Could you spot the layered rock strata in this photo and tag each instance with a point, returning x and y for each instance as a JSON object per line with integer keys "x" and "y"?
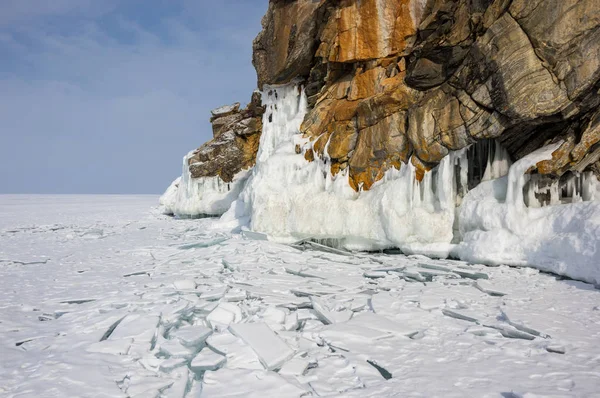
{"x": 396, "y": 122}
{"x": 390, "y": 79}
{"x": 236, "y": 135}
{"x": 213, "y": 174}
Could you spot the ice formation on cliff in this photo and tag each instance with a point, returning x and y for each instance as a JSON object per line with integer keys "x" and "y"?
{"x": 474, "y": 205}
{"x": 206, "y": 196}
{"x": 497, "y": 227}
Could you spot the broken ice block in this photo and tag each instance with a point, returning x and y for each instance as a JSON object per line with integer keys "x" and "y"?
{"x": 294, "y": 367}
{"x": 184, "y": 284}
{"x": 174, "y": 349}
{"x": 487, "y": 288}
{"x": 381, "y": 323}
{"x": 459, "y": 315}
{"x": 224, "y": 343}
{"x": 214, "y": 294}
{"x": 411, "y": 274}
{"x": 234, "y": 295}
{"x": 180, "y": 385}
{"x": 199, "y": 245}
{"x": 436, "y": 267}
{"x": 521, "y": 324}
{"x": 274, "y": 316}
{"x": 251, "y": 235}
{"x": 299, "y": 272}
{"x": 171, "y": 364}
{"x": 229, "y": 383}
{"x": 375, "y": 274}
{"x": 327, "y": 249}
{"x": 239, "y": 354}
{"x": 270, "y": 348}
{"x": 291, "y": 321}
{"x": 326, "y": 316}
{"x": 145, "y": 387}
{"x": 429, "y": 274}
{"x": 383, "y": 371}
{"x": 342, "y": 331}
{"x": 207, "y": 359}
{"x": 556, "y": 349}
{"x": 429, "y": 303}
{"x": 139, "y": 326}
{"x": 224, "y": 315}
{"x": 229, "y": 266}
{"x": 192, "y": 336}
{"x": 114, "y": 347}
{"x": 470, "y": 274}
{"x": 509, "y": 331}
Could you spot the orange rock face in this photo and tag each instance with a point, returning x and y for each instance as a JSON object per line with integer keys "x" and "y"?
{"x": 235, "y": 143}
{"x": 396, "y": 81}
{"x": 368, "y": 29}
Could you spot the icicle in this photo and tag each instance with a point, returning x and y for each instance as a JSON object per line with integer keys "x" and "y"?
{"x": 416, "y": 193}
{"x": 427, "y": 197}
{"x": 498, "y": 162}
{"x": 532, "y": 190}
{"x": 464, "y": 171}
{"x": 501, "y": 161}
{"x": 489, "y": 168}
{"x": 554, "y": 193}
{"x": 286, "y": 110}
{"x": 588, "y": 186}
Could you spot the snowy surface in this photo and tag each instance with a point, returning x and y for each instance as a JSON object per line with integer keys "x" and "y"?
{"x": 102, "y": 296}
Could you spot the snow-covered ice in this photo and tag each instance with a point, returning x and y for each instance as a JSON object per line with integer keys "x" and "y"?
{"x": 103, "y": 296}
{"x": 270, "y": 349}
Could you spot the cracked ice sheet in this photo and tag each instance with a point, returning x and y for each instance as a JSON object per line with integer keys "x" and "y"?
{"x": 69, "y": 248}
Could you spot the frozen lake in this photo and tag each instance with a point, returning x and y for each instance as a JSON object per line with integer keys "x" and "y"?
{"x": 101, "y": 296}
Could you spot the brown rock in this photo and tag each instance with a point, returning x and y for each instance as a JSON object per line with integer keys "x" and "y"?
{"x": 389, "y": 79}
{"x": 368, "y": 29}
{"x": 366, "y": 84}
{"x": 285, "y": 48}
{"x": 342, "y": 140}
{"x": 235, "y": 143}
{"x": 378, "y": 148}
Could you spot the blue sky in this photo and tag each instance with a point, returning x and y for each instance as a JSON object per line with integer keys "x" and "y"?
{"x": 107, "y": 96}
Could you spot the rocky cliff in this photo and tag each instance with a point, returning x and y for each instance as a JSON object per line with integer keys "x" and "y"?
{"x": 467, "y": 128}
{"x": 387, "y": 79}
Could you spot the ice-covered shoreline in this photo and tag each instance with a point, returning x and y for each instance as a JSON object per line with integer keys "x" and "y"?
{"x": 289, "y": 199}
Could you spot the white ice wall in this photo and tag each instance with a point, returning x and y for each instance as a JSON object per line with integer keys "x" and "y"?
{"x": 497, "y": 227}
{"x": 190, "y": 197}
{"x": 289, "y": 199}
